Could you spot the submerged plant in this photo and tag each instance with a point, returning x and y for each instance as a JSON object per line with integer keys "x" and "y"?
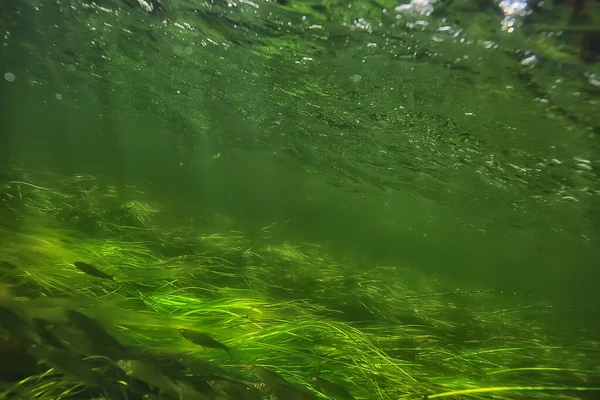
{"x": 380, "y": 331}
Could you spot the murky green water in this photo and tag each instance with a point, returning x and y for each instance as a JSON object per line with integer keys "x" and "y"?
{"x": 356, "y": 160}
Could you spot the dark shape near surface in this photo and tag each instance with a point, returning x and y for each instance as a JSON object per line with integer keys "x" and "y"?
{"x": 150, "y": 374}
{"x": 93, "y": 330}
{"x": 152, "y": 396}
{"x": 235, "y": 390}
{"x": 284, "y": 392}
{"x": 17, "y": 363}
{"x": 201, "y": 367}
{"x": 74, "y": 367}
{"x": 7, "y": 266}
{"x": 18, "y": 326}
{"x": 79, "y": 342}
{"x": 332, "y": 389}
{"x": 44, "y": 329}
{"x": 269, "y": 377}
{"x": 91, "y": 270}
{"x": 202, "y": 339}
{"x": 68, "y": 363}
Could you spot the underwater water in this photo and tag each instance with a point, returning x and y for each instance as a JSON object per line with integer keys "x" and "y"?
{"x": 299, "y": 199}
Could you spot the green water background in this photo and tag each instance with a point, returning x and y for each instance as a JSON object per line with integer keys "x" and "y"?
{"x": 392, "y": 153}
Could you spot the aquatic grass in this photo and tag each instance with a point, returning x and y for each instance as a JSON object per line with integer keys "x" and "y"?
{"x": 387, "y": 332}
{"x": 283, "y": 341}
{"x": 48, "y": 385}
{"x": 500, "y": 389}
